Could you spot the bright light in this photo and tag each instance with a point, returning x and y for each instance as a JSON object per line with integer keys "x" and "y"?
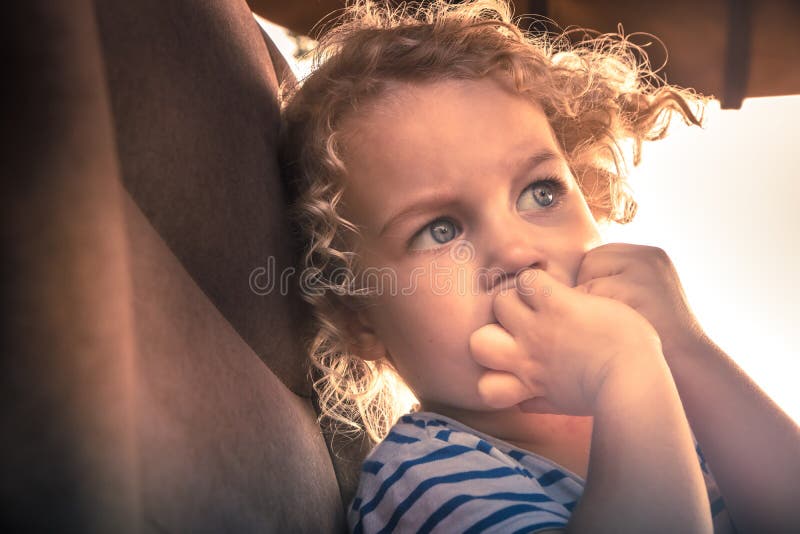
{"x": 723, "y": 203}
{"x": 293, "y": 47}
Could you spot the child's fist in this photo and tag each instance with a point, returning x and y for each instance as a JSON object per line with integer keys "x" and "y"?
{"x": 645, "y": 279}
{"x": 555, "y": 344}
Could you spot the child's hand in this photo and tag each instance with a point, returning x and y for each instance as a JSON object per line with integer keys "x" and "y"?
{"x": 554, "y": 346}
{"x": 644, "y": 278}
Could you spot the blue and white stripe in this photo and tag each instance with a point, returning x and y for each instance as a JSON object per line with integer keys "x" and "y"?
{"x": 433, "y": 474}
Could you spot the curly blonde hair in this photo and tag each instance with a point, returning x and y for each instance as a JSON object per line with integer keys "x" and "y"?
{"x": 598, "y": 94}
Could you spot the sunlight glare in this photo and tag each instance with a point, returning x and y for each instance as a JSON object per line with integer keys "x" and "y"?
{"x": 722, "y": 202}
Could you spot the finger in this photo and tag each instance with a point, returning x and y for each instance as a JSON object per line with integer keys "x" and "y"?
{"x": 512, "y": 313}
{"x": 500, "y": 390}
{"x": 606, "y": 260}
{"x": 608, "y": 286}
{"x": 617, "y": 287}
{"x": 539, "y": 405}
{"x": 494, "y": 347}
{"x": 537, "y": 288}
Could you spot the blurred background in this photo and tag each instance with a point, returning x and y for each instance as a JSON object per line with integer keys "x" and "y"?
{"x": 722, "y": 200}
{"x": 732, "y": 49}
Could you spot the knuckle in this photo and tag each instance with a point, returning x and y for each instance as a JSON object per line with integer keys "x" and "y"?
{"x": 658, "y": 253}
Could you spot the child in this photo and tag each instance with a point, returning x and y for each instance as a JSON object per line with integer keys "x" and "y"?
{"x": 451, "y": 175}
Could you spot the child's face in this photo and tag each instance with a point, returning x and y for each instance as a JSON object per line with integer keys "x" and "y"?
{"x": 468, "y": 146}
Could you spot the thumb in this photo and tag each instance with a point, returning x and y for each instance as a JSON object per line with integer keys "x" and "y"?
{"x": 500, "y": 390}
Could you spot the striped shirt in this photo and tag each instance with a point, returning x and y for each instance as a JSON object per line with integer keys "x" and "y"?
{"x": 434, "y": 474}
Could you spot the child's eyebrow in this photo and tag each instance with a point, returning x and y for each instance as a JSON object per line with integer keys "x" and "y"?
{"x": 439, "y": 200}
{"x": 435, "y": 201}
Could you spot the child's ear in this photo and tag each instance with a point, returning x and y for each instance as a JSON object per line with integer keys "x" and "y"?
{"x": 363, "y": 339}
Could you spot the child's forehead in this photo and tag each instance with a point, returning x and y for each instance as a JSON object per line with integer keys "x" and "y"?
{"x": 429, "y": 101}
{"x": 475, "y": 122}
{"x": 398, "y": 96}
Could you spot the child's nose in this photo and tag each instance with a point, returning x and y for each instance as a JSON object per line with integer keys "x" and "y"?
{"x": 513, "y": 244}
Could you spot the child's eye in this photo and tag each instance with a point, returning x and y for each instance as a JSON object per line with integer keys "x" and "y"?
{"x": 546, "y": 193}
{"x": 434, "y": 234}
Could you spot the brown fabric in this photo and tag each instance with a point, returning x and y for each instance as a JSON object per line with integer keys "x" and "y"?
{"x": 223, "y": 445}
{"x": 193, "y": 96}
{"x": 66, "y": 382}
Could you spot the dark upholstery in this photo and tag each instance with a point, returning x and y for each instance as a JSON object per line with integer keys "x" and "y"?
{"x": 145, "y": 386}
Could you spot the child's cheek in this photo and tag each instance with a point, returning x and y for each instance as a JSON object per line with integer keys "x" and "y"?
{"x": 436, "y": 316}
